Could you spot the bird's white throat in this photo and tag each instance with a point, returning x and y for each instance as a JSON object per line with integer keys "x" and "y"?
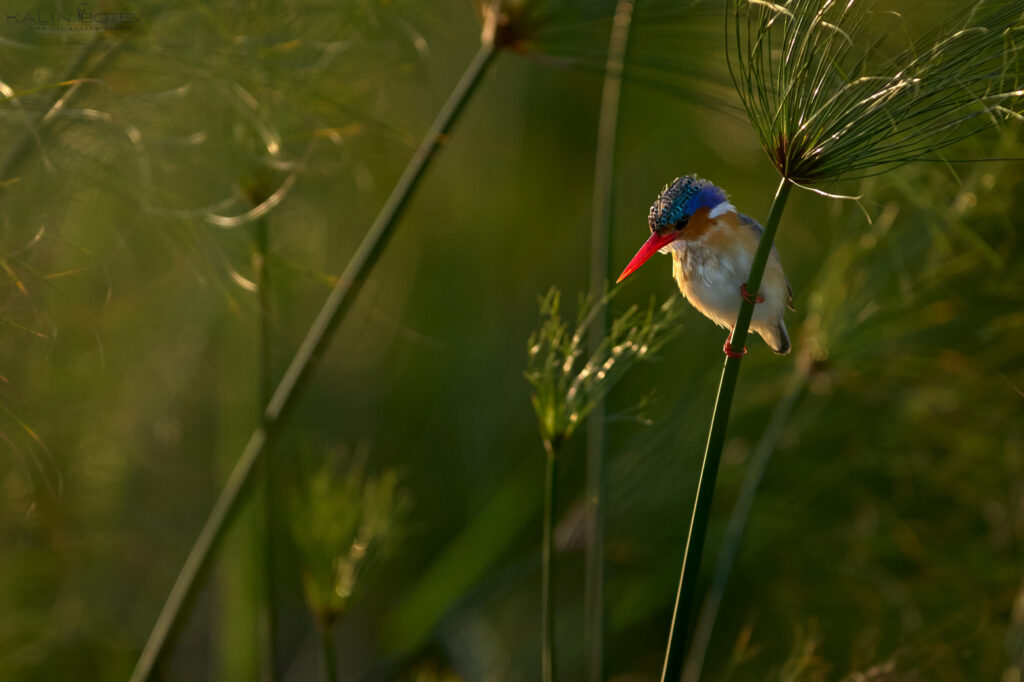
{"x": 678, "y": 246}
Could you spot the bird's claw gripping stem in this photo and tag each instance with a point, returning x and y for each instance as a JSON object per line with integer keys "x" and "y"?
{"x": 748, "y": 297}
{"x": 728, "y": 348}
{"x": 728, "y": 342}
{"x": 733, "y": 354}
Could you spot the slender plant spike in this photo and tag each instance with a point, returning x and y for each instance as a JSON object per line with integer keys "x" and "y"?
{"x": 593, "y": 614}
{"x": 307, "y": 355}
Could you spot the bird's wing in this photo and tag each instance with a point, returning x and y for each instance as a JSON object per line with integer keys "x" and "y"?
{"x": 751, "y": 223}
{"x": 755, "y": 227}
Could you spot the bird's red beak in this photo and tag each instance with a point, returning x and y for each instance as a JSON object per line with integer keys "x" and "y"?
{"x": 650, "y": 247}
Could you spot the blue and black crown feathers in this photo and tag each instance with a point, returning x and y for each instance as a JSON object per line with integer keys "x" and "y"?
{"x": 680, "y": 200}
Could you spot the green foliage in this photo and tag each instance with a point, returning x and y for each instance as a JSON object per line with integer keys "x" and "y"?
{"x": 890, "y": 513}
{"x": 829, "y": 96}
{"x": 566, "y": 383}
{"x": 344, "y": 523}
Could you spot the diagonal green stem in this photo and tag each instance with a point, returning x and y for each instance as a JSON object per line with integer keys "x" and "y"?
{"x": 593, "y": 623}
{"x": 305, "y": 359}
{"x": 679, "y": 631}
{"x": 547, "y": 596}
{"x": 738, "y": 519}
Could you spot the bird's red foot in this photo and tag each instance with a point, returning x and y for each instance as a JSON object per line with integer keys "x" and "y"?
{"x": 728, "y": 348}
{"x": 747, "y": 296}
{"x": 733, "y": 354}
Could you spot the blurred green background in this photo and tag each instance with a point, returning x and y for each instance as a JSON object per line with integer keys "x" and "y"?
{"x": 885, "y": 543}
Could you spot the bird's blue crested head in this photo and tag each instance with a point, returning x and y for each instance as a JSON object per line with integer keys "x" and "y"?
{"x": 681, "y": 199}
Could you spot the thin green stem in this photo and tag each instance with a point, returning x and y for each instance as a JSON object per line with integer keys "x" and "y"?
{"x": 679, "y": 630}
{"x": 547, "y": 596}
{"x": 328, "y": 655}
{"x": 268, "y": 597}
{"x": 738, "y": 519}
{"x": 305, "y": 359}
{"x": 593, "y": 624}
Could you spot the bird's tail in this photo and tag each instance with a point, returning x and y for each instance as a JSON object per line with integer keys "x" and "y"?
{"x": 777, "y": 338}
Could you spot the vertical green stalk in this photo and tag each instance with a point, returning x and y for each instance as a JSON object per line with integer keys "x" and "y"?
{"x": 547, "y": 595}
{"x": 738, "y": 519}
{"x": 268, "y": 598}
{"x": 593, "y": 614}
{"x": 328, "y": 655}
{"x": 679, "y": 630}
{"x": 305, "y": 359}
{"x": 238, "y": 578}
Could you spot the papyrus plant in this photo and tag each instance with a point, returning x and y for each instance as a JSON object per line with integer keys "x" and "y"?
{"x": 831, "y": 95}
{"x": 567, "y": 382}
{"x": 344, "y": 522}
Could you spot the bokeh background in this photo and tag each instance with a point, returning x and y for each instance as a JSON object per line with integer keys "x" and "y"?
{"x": 884, "y": 544}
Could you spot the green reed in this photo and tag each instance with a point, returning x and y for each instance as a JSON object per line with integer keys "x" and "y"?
{"x": 607, "y": 127}
{"x": 268, "y": 606}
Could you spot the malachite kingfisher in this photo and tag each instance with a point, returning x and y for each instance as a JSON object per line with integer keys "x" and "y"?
{"x": 712, "y": 247}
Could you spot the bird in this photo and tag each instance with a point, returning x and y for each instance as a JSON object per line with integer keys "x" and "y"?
{"x": 712, "y": 246}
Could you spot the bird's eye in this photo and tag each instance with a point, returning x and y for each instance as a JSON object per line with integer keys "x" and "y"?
{"x": 680, "y": 225}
